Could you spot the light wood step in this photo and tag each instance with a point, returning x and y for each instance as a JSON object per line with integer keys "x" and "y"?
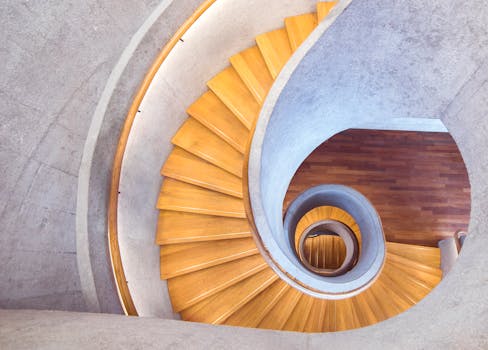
{"x": 180, "y": 227}
{"x": 397, "y": 296}
{"x": 412, "y": 264}
{"x": 323, "y": 213}
{"x": 316, "y": 317}
{"x": 276, "y": 50}
{"x": 252, "y": 69}
{"x": 364, "y": 310}
{"x": 386, "y": 308}
{"x": 222, "y": 305}
{"x": 251, "y": 314}
{"x": 323, "y": 9}
{"x": 184, "y": 166}
{"x": 230, "y": 88}
{"x": 214, "y": 114}
{"x": 299, "y": 28}
{"x": 330, "y": 317}
{"x": 407, "y": 286}
{"x": 179, "y": 259}
{"x": 298, "y": 318}
{"x": 430, "y": 256}
{"x": 191, "y": 288}
{"x": 180, "y": 196}
{"x": 200, "y": 141}
{"x": 426, "y": 278}
{"x": 424, "y": 284}
{"x": 377, "y": 312}
{"x": 279, "y": 314}
{"x": 346, "y": 317}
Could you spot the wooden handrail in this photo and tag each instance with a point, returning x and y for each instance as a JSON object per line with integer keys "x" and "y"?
{"x": 115, "y": 258}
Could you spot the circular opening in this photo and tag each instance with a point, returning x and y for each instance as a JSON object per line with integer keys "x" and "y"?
{"x": 324, "y": 251}
{"x": 355, "y": 277}
{"x": 325, "y": 256}
{"x": 322, "y": 248}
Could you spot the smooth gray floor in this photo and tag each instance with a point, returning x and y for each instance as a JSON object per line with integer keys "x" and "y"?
{"x": 55, "y": 59}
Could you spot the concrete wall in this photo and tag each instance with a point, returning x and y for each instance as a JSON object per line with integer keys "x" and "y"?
{"x": 56, "y": 57}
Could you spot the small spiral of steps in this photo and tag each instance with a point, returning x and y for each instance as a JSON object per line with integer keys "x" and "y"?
{"x": 214, "y": 270}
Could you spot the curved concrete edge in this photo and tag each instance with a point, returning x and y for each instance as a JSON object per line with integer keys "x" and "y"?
{"x": 254, "y": 166}
{"x": 110, "y": 112}
{"x": 373, "y": 252}
{"x": 64, "y": 330}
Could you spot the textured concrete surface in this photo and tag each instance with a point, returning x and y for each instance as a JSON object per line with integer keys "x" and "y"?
{"x": 96, "y": 172}
{"x": 179, "y": 82}
{"x": 61, "y": 330}
{"x": 56, "y": 57}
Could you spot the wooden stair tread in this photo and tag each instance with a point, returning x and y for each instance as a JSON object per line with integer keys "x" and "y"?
{"x": 251, "y": 314}
{"x": 386, "y": 307}
{"x": 180, "y": 196}
{"x": 276, "y": 50}
{"x": 184, "y": 166}
{"x": 179, "y": 259}
{"x": 252, "y": 69}
{"x": 373, "y": 303}
{"x": 298, "y": 318}
{"x": 278, "y": 315}
{"x": 323, "y": 9}
{"x": 416, "y": 278}
{"x": 396, "y": 294}
{"x": 346, "y": 317}
{"x": 217, "y": 308}
{"x": 428, "y": 279}
{"x": 323, "y": 213}
{"x": 180, "y": 227}
{"x": 409, "y": 287}
{"x": 364, "y": 310}
{"x": 214, "y": 114}
{"x": 191, "y": 288}
{"x": 200, "y": 255}
{"x": 329, "y": 324}
{"x": 413, "y": 265}
{"x": 200, "y": 141}
{"x": 299, "y": 28}
{"x": 316, "y": 317}
{"x": 230, "y": 88}
{"x": 426, "y": 255}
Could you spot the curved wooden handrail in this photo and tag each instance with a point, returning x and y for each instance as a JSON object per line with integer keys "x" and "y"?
{"x": 114, "y": 249}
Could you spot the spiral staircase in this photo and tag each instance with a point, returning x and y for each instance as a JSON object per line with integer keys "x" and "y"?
{"x": 215, "y": 272}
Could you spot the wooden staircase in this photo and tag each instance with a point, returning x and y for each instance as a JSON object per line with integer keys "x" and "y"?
{"x": 214, "y": 270}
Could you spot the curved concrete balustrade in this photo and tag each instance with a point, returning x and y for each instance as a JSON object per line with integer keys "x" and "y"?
{"x": 372, "y": 255}
{"x": 378, "y": 63}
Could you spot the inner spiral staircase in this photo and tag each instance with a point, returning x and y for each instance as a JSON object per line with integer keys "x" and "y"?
{"x": 214, "y": 270}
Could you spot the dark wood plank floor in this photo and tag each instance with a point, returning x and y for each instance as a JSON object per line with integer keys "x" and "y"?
{"x": 417, "y": 181}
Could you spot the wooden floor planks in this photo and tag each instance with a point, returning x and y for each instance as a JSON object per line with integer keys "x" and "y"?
{"x": 417, "y": 181}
